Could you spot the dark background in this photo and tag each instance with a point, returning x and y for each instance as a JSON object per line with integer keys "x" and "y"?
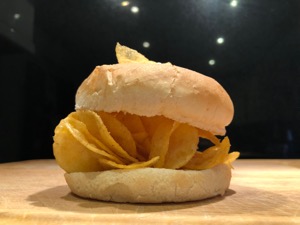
{"x": 48, "y": 47}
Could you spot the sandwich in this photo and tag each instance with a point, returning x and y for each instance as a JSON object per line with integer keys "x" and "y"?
{"x": 136, "y": 132}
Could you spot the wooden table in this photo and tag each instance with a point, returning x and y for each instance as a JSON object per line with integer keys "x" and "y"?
{"x": 261, "y": 192}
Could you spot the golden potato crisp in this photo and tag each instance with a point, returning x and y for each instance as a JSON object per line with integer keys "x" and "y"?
{"x": 211, "y": 157}
{"x": 80, "y": 132}
{"x": 94, "y": 141}
{"x": 128, "y": 55}
{"x": 119, "y": 132}
{"x": 160, "y": 141}
{"x": 96, "y": 124}
{"x": 183, "y": 145}
{"x": 70, "y": 154}
{"x": 112, "y": 165}
{"x": 141, "y": 137}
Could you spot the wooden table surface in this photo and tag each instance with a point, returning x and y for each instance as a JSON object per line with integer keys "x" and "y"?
{"x": 261, "y": 192}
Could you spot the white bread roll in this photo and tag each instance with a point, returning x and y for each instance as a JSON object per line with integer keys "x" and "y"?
{"x": 148, "y": 89}
{"x": 150, "y": 185}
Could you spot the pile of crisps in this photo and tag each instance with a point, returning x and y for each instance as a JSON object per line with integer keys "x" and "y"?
{"x": 95, "y": 141}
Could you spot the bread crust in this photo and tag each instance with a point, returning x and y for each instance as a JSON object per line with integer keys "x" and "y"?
{"x": 150, "y": 185}
{"x": 158, "y": 89}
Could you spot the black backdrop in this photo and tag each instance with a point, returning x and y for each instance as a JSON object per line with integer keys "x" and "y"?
{"x": 251, "y": 47}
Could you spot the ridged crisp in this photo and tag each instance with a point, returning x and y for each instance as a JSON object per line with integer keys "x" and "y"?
{"x": 158, "y": 89}
{"x": 150, "y": 185}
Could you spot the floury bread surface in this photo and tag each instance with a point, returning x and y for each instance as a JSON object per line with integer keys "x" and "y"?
{"x": 150, "y": 89}
{"x": 151, "y": 185}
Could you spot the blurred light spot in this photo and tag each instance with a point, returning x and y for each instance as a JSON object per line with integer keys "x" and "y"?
{"x": 12, "y": 30}
{"x": 212, "y": 62}
{"x": 125, "y": 3}
{"x": 17, "y": 16}
{"x": 234, "y": 3}
{"x": 146, "y": 44}
{"x": 220, "y": 40}
{"x": 135, "y": 9}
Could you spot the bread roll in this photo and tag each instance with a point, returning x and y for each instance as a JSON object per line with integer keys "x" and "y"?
{"x": 148, "y": 89}
{"x": 150, "y": 185}
{"x": 151, "y": 89}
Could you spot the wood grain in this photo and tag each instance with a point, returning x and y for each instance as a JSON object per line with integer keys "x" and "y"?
{"x": 261, "y": 192}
